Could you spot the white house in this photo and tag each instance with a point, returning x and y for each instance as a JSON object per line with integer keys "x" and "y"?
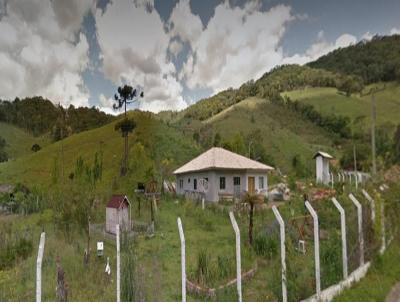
{"x": 227, "y": 174}
{"x": 117, "y": 212}
{"x": 322, "y": 167}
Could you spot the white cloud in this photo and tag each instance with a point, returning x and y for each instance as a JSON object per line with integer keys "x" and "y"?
{"x": 367, "y": 36}
{"x": 320, "y": 48}
{"x": 238, "y": 44}
{"x": 42, "y": 52}
{"x": 175, "y": 47}
{"x": 134, "y": 48}
{"x": 395, "y": 31}
{"x": 106, "y": 105}
{"x": 185, "y": 24}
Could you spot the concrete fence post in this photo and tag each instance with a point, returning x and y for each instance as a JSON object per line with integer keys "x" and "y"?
{"x": 118, "y": 264}
{"x": 356, "y": 180}
{"x": 360, "y": 227}
{"x": 316, "y": 250}
{"x": 343, "y": 234}
{"x": 383, "y": 228}
{"x": 372, "y": 203}
{"x": 283, "y": 251}
{"x": 238, "y": 257}
{"x": 183, "y": 258}
{"x": 39, "y": 261}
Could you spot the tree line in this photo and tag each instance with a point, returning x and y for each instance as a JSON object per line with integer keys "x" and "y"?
{"x": 373, "y": 61}
{"x": 271, "y": 85}
{"x": 39, "y": 116}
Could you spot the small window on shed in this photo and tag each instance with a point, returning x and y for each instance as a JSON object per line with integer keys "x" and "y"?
{"x": 194, "y": 184}
{"x": 222, "y": 183}
{"x": 189, "y": 180}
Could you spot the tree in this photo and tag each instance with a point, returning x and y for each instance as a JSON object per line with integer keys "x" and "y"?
{"x": 351, "y": 85}
{"x": 251, "y": 200}
{"x": 217, "y": 140}
{"x": 165, "y": 169}
{"x": 35, "y": 148}
{"x": 396, "y": 145}
{"x": 3, "y": 153}
{"x": 126, "y": 95}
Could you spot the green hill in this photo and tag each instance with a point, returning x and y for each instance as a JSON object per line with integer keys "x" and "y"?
{"x": 159, "y": 140}
{"x": 18, "y": 141}
{"x": 331, "y": 101}
{"x": 280, "y": 133}
{"x": 373, "y": 61}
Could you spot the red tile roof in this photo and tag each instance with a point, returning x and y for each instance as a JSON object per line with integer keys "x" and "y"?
{"x": 118, "y": 201}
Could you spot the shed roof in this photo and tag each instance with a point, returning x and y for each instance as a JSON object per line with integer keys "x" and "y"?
{"x": 118, "y": 201}
{"x": 219, "y": 158}
{"x": 323, "y": 154}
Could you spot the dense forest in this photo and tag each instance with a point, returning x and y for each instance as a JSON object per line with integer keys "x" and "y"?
{"x": 374, "y": 61}
{"x": 39, "y": 116}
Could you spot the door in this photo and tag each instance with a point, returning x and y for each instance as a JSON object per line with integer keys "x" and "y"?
{"x": 251, "y": 187}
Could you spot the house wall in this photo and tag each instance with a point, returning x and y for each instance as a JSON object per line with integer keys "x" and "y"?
{"x": 214, "y": 190}
{"x": 115, "y": 216}
{"x": 326, "y": 177}
{"x": 322, "y": 170}
{"x": 111, "y": 220}
{"x": 319, "y": 169}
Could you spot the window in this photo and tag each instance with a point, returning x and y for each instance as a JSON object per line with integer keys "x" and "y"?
{"x": 194, "y": 184}
{"x": 261, "y": 182}
{"x": 222, "y": 183}
{"x": 188, "y": 180}
{"x": 236, "y": 181}
{"x": 181, "y": 183}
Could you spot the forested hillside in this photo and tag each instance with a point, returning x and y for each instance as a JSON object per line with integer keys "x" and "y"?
{"x": 377, "y": 60}
{"x": 39, "y": 116}
{"x": 270, "y": 85}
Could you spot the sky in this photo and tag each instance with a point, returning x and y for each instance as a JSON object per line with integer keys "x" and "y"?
{"x": 177, "y": 51}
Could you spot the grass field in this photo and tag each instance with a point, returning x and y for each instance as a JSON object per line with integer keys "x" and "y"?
{"x": 19, "y": 142}
{"x": 159, "y": 140}
{"x": 285, "y": 134}
{"x": 158, "y": 258}
{"x": 330, "y": 101}
{"x": 382, "y": 276}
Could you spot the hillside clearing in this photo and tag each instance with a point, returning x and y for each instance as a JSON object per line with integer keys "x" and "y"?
{"x": 331, "y": 101}
{"x": 19, "y": 142}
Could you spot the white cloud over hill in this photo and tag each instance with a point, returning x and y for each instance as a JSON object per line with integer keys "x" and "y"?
{"x": 42, "y": 51}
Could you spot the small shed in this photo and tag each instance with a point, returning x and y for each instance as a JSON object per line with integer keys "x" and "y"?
{"x": 322, "y": 160}
{"x": 118, "y": 212}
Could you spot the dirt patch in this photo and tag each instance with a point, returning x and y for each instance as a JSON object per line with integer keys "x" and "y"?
{"x": 394, "y": 295}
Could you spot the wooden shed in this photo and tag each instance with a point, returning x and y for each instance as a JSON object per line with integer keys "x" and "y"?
{"x": 118, "y": 212}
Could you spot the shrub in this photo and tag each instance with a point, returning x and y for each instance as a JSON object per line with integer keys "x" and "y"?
{"x": 265, "y": 245}
{"x": 203, "y": 272}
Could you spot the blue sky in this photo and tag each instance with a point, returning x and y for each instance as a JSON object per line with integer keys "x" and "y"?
{"x": 178, "y": 51}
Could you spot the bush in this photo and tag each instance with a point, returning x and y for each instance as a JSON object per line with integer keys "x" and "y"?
{"x": 265, "y": 245}
{"x": 203, "y": 272}
{"x": 35, "y": 148}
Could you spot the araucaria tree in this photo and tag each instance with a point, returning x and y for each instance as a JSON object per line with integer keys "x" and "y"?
{"x": 126, "y": 95}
